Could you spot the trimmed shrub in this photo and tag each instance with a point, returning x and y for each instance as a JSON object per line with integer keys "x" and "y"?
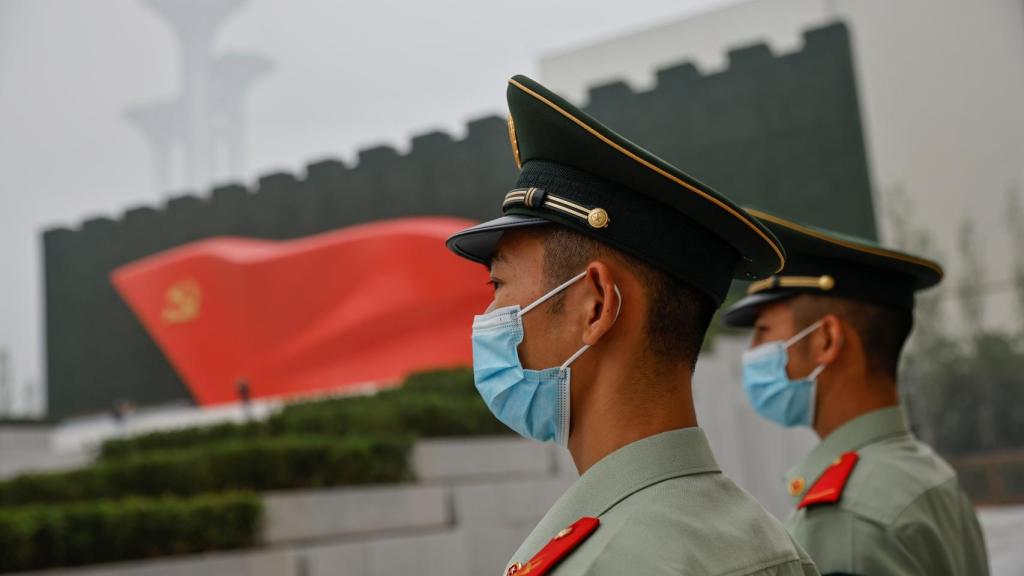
{"x": 428, "y": 404}
{"x": 181, "y": 438}
{"x": 451, "y": 381}
{"x": 35, "y": 537}
{"x": 254, "y": 464}
{"x": 418, "y": 415}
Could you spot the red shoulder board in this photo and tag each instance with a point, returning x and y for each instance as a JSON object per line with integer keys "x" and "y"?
{"x": 556, "y": 550}
{"x": 830, "y": 485}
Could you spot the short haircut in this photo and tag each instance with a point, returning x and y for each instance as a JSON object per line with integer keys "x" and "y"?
{"x": 883, "y": 329}
{"x": 678, "y": 315}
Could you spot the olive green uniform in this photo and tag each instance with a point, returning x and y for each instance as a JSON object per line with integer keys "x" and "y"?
{"x": 666, "y": 508}
{"x": 663, "y": 505}
{"x": 901, "y": 510}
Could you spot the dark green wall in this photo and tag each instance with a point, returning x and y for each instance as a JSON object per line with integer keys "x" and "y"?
{"x": 782, "y": 133}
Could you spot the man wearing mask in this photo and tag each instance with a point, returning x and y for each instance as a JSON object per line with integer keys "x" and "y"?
{"x": 870, "y": 499}
{"x": 607, "y": 266}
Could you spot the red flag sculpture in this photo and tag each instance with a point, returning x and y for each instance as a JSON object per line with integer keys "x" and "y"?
{"x": 359, "y": 305}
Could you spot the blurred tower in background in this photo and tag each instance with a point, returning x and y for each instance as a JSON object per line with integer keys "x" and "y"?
{"x": 197, "y": 137}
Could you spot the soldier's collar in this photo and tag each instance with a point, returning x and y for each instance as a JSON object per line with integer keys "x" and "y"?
{"x": 863, "y": 430}
{"x": 633, "y": 467}
{"x": 617, "y": 476}
{"x": 672, "y": 454}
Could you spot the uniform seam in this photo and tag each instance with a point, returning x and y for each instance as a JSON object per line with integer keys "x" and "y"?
{"x": 919, "y": 497}
{"x": 848, "y": 506}
{"x": 785, "y": 557}
{"x": 654, "y": 480}
{"x": 791, "y": 558}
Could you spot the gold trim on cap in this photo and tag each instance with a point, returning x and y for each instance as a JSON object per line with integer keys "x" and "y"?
{"x": 823, "y": 283}
{"x": 876, "y": 251}
{"x": 514, "y": 141}
{"x": 661, "y": 171}
{"x": 594, "y": 217}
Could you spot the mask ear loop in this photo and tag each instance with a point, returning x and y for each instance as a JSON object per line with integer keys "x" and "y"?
{"x": 813, "y": 376}
{"x": 618, "y": 310}
{"x": 801, "y": 334}
{"x": 816, "y": 372}
{"x": 552, "y": 293}
{"x": 796, "y": 338}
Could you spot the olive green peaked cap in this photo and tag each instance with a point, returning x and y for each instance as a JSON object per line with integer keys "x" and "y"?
{"x": 833, "y": 264}
{"x": 576, "y": 172}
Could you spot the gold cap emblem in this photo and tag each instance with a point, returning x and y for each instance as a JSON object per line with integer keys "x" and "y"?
{"x": 598, "y": 218}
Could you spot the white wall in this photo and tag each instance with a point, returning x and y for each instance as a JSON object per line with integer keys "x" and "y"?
{"x": 941, "y": 87}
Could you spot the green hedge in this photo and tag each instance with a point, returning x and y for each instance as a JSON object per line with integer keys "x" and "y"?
{"x": 389, "y": 413}
{"x": 428, "y": 404}
{"x": 181, "y": 438}
{"x": 254, "y": 464}
{"x": 35, "y": 537}
{"x": 452, "y": 381}
{"x": 186, "y": 491}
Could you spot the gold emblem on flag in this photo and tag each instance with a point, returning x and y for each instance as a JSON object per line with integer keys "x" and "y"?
{"x": 182, "y": 302}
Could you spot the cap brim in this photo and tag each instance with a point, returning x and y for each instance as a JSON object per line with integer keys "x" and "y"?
{"x": 803, "y": 241}
{"x": 479, "y": 242}
{"x": 744, "y": 313}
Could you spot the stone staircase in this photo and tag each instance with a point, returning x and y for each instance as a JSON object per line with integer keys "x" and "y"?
{"x": 473, "y": 502}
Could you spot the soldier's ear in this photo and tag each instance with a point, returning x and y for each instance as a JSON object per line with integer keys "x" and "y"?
{"x": 603, "y": 301}
{"x": 832, "y": 339}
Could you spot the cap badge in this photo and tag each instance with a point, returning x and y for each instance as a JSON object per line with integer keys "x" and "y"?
{"x": 598, "y": 218}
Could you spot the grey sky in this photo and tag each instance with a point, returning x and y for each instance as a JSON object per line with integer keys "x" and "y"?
{"x": 347, "y": 75}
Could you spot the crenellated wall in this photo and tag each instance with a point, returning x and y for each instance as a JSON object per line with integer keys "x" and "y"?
{"x": 779, "y": 132}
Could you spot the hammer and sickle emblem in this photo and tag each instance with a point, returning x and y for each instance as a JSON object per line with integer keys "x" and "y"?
{"x": 182, "y": 302}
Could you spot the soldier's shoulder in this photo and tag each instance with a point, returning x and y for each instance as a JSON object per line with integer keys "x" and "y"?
{"x": 891, "y": 476}
{"x": 703, "y": 520}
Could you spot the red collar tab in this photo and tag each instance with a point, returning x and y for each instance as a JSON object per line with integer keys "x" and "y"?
{"x": 829, "y": 486}
{"x": 556, "y": 550}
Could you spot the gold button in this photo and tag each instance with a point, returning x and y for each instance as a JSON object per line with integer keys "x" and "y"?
{"x": 513, "y": 568}
{"x": 796, "y": 486}
{"x": 565, "y": 532}
{"x": 597, "y": 218}
{"x": 826, "y": 282}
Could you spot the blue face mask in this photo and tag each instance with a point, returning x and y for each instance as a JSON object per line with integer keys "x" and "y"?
{"x": 534, "y": 403}
{"x": 769, "y": 389}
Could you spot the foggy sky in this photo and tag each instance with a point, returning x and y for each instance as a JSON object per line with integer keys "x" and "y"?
{"x": 347, "y": 75}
